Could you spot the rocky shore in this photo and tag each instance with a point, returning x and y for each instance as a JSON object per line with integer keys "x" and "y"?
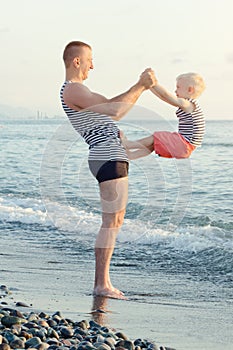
{"x": 41, "y": 331}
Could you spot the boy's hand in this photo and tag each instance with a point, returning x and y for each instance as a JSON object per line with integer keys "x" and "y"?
{"x": 147, "y": 78}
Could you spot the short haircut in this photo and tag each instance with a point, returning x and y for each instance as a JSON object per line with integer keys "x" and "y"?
{"x": 195, "y": 80}
{"x": 72, "y": 50}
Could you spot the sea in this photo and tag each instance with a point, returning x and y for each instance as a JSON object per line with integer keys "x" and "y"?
{"x": 174, "y": 254}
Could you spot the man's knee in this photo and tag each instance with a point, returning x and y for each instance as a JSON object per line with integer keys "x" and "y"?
{"x": 114, "y": 220}
{"x": 120, "y": 218}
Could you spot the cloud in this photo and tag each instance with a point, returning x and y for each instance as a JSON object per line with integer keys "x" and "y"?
{"x": 177, "y": 60}
{"x": 227, "y": 75}
{"x": 178, "y": 57}
{"x": 4, "y": 30}
{"x": 229, "y": 57}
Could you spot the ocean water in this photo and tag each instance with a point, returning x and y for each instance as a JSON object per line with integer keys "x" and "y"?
{"x": 176, "y": 244}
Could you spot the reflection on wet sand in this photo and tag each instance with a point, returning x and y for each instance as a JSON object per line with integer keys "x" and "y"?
{"x": 99, "y": 310}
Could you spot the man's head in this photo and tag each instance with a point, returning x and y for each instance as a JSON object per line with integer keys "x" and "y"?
{"x": 72, "y": 50}
{"x": 78, "y": 56}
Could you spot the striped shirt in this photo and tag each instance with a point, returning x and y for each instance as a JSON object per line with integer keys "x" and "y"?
{"x": 192, "y": 125}
{"x": 99, "y": 131}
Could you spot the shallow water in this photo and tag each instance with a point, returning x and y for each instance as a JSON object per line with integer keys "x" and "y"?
{"x": 174, "y": 254}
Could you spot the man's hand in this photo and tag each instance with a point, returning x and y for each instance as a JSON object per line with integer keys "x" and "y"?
{"x": 148, "y": 79}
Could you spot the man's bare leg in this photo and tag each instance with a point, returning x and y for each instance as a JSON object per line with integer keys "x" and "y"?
{"x": 104, "y": 248}
{"x": 114, "y": 196}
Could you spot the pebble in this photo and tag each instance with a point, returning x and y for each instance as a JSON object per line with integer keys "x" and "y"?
{"x": 21, "y": 304}
{"x": 9, "y": 321}
{"x": 4, "y": 289}
{"x": 121, "y": 335}
{"x": 5, "y": 346}
{"x": 41, "y": 331}
{"x": 66, "y": 332}
{"x": 17, "y": 344}
{"x": 32, "y": 342}
{"x": 42, "y": 346}
{"x": 126, "y": 344}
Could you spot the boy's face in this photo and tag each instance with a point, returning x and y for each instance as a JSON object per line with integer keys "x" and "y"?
{"x": 183, "y": 88}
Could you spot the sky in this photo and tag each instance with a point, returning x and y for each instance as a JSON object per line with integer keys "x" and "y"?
{"x": 126, "y": 36}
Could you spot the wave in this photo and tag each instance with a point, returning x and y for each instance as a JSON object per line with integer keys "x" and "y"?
{"x": 218, "y": 144}
{"x": 75, "y": 223}
{"x": 199, "y": 253}
{"x": 22, "y": 210}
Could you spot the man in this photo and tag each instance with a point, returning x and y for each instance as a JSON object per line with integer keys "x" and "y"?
{"x": 92, "y": 115}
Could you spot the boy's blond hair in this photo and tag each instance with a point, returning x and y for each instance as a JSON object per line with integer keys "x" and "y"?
{"x": 195, "y": 80}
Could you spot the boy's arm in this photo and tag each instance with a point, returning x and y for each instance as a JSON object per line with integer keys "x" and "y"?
{"x": 173, "y": 100}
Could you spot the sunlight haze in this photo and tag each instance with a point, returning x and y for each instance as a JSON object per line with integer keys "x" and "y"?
{"x": 172, "y": 37}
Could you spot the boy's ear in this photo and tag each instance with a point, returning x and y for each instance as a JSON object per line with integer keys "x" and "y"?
{"x": 191, "y": 90}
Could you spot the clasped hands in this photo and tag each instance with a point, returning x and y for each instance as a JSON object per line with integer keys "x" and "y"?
{"x": 148, "y": 78}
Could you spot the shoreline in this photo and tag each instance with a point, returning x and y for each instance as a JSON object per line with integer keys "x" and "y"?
{"x": 170, "y": 324}
{"x": 49, "y": 280}
{"x": 23, "y": 326}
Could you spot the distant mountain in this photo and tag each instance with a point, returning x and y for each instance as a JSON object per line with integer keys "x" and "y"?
{"x": 7, "y": 112}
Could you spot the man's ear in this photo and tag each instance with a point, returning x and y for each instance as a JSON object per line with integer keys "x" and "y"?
{"x": 76, "y": 61}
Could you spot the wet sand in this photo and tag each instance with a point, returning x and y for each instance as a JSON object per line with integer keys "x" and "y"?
{"x": 46, "y": 280}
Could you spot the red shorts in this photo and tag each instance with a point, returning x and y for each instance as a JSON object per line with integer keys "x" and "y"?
{"x": 172, "y": 145}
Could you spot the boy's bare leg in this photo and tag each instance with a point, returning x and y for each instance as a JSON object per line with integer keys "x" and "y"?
{"x": 138, "y": 148}
{"x": 138, "y": 153}
{"x": 147, "y": 142}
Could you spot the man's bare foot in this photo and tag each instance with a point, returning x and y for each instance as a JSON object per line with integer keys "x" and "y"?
{"x": 113, "y": 293}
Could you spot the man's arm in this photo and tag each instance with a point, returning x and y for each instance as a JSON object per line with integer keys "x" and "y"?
{"x": 118, "y": 106}
{"x": 78, "y": 97}
{"x": 173, "y": 100}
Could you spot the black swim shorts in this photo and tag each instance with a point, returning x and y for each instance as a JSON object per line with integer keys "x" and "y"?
{"x": 108, "y": 170}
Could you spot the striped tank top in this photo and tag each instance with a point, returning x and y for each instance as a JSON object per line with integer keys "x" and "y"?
{"x": 99, "y": 131}
{"x": 192, "y": 125}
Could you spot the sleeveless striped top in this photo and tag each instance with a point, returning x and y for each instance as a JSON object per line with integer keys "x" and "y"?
{"x": 99, "y": 131}
{"x": 192, "y": 125}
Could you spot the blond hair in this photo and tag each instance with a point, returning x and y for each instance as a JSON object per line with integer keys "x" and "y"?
{"x": 195, "y": 80}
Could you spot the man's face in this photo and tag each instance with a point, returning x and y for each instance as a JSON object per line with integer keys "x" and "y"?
{"x": 85, "y": 62}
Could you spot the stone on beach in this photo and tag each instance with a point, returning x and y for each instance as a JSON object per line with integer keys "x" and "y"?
{"x": 9, "y": 321}
{"x": 5, "y": 346}
{"x": 21, "y": 304}
{"x": 40, "y": 331}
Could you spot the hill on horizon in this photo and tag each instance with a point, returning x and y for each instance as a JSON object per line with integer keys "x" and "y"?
{"x": 15, "y": 112}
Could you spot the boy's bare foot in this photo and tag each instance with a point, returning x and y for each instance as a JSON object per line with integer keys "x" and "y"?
{"x": 125, "y": 142}
{"x": 122, "y": 136}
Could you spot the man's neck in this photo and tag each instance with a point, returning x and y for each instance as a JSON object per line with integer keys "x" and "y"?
{"x": 74, "y": 77}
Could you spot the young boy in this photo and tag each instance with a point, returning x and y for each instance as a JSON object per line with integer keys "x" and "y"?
{"x": 191, "y": 122}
